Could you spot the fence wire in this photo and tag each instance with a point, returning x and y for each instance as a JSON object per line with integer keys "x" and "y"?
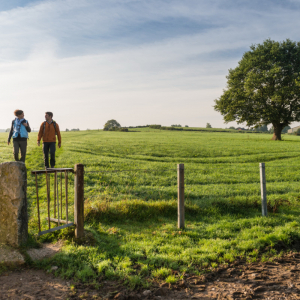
{"x": 154, "y": 184}
{"x": 136, "y": 186}
{"x": 132, "y": 170}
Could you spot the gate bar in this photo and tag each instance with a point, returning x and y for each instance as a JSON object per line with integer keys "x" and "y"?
{"x": 61, "y": 195}
{"x": 56, "y": 187}
{"x": 52, "y": 170}
{"x": 56, "y": 221}
{"x": 37, "y": 202}
{"x": 66, "y": 188}
{"x": 55, "y": 195}
{"x": 56, "y": 228}
{"x": 48, "y": 199}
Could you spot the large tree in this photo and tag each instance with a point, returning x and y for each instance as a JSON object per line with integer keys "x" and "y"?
{"x": 111, "y": 124}
{"x": 265, "y": 87}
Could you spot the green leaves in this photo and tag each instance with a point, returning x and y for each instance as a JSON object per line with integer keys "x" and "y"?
{"x": 264, "y": 87}
{"x": 110, "y": 124}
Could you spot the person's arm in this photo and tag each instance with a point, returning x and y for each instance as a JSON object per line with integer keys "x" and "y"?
{"x": 10, "y": 133}
{"x": 58, "y": 135}
{"x": 41, "y": 131}
{"x": 28, "y": 127}
{"x": 26, "y": 124}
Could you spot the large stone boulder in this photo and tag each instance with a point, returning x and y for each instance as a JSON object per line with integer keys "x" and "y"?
{"x": 13, "y": 203}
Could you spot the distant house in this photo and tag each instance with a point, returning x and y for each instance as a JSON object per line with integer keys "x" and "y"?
{"x": 292, "y": 130}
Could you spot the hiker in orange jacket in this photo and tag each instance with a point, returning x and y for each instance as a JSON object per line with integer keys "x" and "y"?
{"x": 48, "y": 131}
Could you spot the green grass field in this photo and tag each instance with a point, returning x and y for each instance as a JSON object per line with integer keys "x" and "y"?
{"x": 131, "y": 201}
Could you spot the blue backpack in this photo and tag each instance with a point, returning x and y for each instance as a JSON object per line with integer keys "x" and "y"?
{"x": 23, "y": 131}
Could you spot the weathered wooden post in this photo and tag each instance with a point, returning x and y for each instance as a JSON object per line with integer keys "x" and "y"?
{"x": 79, "y": 201}
{"x": 180, "y": 184}
{"x": 263, "y": 189}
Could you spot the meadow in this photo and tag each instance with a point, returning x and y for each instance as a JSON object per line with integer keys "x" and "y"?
{"x": 131, "y": 202}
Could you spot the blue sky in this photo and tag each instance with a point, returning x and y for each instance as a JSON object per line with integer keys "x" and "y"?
{"x": 139, "y": 62}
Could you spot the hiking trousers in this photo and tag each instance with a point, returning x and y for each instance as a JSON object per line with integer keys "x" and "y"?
{"x": 20, "y": 146}
{"x": 49, "y": 147}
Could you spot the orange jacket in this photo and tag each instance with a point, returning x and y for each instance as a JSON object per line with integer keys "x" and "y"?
{"x": 49, "y": 134}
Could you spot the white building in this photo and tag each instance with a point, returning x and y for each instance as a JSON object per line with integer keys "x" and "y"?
{"x": 292, "y": 130}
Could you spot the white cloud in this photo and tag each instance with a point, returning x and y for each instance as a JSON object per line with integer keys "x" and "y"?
{"x": 135, "y": 61}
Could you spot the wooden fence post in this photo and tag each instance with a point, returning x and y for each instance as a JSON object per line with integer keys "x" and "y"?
{"x": 263, "y": 189}
{"x": 180, "y": 184}
{"x": 79, "y": 200}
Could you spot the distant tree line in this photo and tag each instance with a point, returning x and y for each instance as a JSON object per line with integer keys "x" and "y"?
{"x": 113, "y": 125}
{"x": 73, "y": 129}
{"x": 172, "y": 127}
{"x": 139, "y": 126}
{"x": 263, "y": 128}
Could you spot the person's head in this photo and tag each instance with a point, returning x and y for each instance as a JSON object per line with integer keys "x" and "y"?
{"x": 19, "y": 113}
{"x": 48, "y": 116}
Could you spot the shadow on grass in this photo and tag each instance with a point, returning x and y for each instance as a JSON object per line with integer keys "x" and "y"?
{"x": 139, "y": 210}
{"x": 128, "y": 239}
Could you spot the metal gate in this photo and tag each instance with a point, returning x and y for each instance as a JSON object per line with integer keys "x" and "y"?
{"x": 58, "y": 202}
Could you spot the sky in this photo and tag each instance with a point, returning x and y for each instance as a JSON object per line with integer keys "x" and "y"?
{"x": 136, "y": 61}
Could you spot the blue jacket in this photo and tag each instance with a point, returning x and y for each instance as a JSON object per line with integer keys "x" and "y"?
{"x": 23, "y": 131}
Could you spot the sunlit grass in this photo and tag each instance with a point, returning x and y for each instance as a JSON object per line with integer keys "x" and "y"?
{"x": 131, "y": 213}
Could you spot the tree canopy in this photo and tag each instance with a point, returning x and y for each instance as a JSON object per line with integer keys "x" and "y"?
{"x": 265, "y": 87}
{"x": 110, "y": 124}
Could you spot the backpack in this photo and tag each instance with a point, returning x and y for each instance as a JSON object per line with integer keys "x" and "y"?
{"x": 23, "y": 131}
{"x": 54, "y": 124}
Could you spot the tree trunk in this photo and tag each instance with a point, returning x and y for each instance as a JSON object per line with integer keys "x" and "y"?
{"x": 277, "y": 132}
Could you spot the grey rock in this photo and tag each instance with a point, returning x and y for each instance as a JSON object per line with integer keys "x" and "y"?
{"x": 146, "y": 293}
{"x": 163, "y": 291}
{"x": 13, "y": 203}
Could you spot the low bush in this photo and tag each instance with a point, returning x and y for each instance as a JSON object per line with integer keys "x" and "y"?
{"x": 155, "y": 126}
{"x": 118, "y": 129}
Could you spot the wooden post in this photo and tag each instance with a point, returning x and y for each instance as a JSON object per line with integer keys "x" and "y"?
{"x": 79, "y": 201}
{"x": 263, "y": 189}
{"x": 180, "y": 184}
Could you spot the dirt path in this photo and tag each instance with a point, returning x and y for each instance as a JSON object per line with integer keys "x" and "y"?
{"x": 277, "y": 280}
{"x": 32, "y": 284}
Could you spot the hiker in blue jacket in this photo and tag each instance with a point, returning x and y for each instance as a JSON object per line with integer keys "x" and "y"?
{"x": 19, "y": 132}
